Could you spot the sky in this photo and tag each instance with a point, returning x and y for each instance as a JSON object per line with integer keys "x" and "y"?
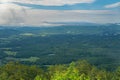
{"x": 48, "y": 12}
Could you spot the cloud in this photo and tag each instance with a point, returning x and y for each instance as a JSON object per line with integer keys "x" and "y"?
{"x": 39, "y": 17}
{"x": 113, "y": 5}
{"x": 49, "y": 2}
{"x": 12, "y": 14}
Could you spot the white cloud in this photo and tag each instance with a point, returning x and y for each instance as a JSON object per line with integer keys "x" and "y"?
{"x": 113, "y": 5}
{"x": 49, "y": 2}
{"x": 12, "y": 14}
{"x": 38, "y": 17}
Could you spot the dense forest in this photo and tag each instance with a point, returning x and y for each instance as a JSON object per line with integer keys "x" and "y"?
{"x": 102, "y": 51}
{"x": 79, "y": 70}
{"x": 60, "y": 53}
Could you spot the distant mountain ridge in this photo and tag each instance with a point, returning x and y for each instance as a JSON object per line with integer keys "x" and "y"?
{"x": 91, "y": 29}
{"x": 75, "y": 23}
{"x": 59, "y": 24}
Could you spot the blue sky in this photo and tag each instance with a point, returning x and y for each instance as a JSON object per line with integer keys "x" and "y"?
{"x": 44, "y": 12}
{"x": 97, "y": 5}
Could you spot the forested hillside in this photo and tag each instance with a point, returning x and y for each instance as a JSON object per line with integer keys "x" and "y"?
{"x": 99, "y": 45}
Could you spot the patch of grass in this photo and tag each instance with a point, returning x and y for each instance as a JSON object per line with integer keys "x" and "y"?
{"x": 10, "y": 53}
{"x": 30, "y": 59}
